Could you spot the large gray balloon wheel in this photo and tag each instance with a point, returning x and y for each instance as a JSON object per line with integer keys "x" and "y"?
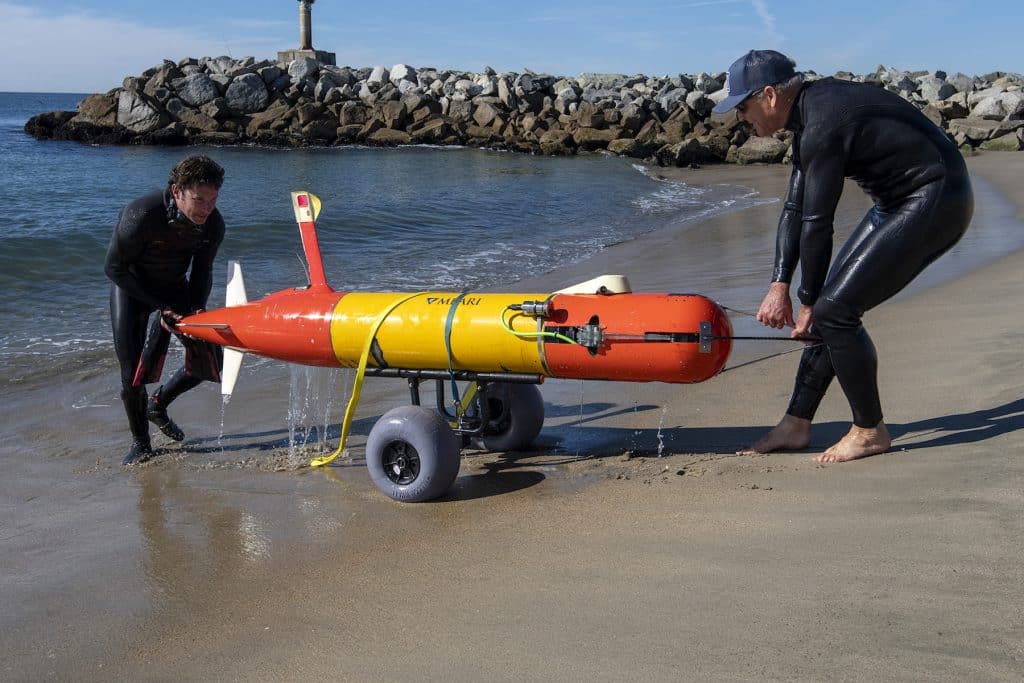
{"x": 515, "y": 416}
{"x": 412, "y": 454}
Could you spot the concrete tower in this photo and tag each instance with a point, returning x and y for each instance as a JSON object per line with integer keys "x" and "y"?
{"x": 306, "y": 39}
{"x": 306, "y": 24}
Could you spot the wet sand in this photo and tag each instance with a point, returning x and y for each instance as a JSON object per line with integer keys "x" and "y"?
{"x": 630, "y": 545}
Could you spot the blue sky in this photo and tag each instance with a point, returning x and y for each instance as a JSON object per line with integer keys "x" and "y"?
{"x": 91, "y": 46}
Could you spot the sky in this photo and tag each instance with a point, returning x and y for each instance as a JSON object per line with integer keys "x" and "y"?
{"x": 90, "y": 46}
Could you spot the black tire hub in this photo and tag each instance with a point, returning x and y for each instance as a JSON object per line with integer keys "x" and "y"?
{"x": 401, "y": 463}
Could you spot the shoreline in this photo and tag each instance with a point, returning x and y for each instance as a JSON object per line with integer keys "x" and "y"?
{"x": 590, "y": 558}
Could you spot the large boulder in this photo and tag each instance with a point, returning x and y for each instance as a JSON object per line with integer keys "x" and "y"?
{"x": 976, "y": 96}
{"x": 954, "y": 107}
{"x": 700, "y": 103}
{"x": 44, "y": 126}
{"x": 100, "y": 109}
{"x": 160, "y": 79}
{"x": 896, "y": 80}
{"x": 245, "y": 66}
{"x": 270, "y": 73}
{"x": 686, "y": 153}
{"x": 247, "y": 94}
{"x": 760, "y": 150}
{"x": 707, "y": 84}
{"x": 196, "y": 90}
{"x": 631, "y": 147}
{"x": 974, "y": 130}
{"x": 632, "y": 117}
{"x": 488, "y": 85}
{"x": 322, "y": 130}
{"x": 506, "y": 93}
{"x": 279, "y": 110}
{"x": 1004, "y": 106}
{"x": 963, "y": 83}
{"x": 601, "y": 81}
{"x": 138, "y": 114}
{"x": 458, "y": 110}
{"x": 326, "y": 89}
{"x": 590, "y": 116}
{"x": 341, "y": 76}
{"x": 377, "y": 77}
{"x": 677, "y": 126}
{"x": 1009, "y": 81}
{"x": 405, "y": 87}
{"x": 670, "y": 98}
{"x": 394, "y": 114}
{"x": 307, "y": 112}
{"x": 468, "y": 88}
{"x": 196, "y": 121}
{"x": 217, "y": 65}
{"x": 591, "y": 139}
{"x": 217, "y": 109}
{"x": 557, "y": 143}
{"x": 933, "y": 88}
{"x": 1004, "y": 143}
{"x": 433, "y": 131}
{"x": 717, "y": 147}
{"x": 302, "y": 68}
{"x": 485, "y": 114}
{"x": 389, "y": 137}
{"x": 353, "y": 114}
{"x": 401, "y": 72}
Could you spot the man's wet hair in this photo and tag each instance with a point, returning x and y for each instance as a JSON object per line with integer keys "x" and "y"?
{"x": 196, "y": 170}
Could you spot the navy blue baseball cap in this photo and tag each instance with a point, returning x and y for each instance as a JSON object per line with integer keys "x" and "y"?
{"x": 751, "y": 72}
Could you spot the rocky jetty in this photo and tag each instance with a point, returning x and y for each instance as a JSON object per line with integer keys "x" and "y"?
{"x": 664, "y": 120}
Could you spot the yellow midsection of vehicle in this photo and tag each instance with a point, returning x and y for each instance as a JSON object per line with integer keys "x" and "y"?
{"x": 422, "y": 332}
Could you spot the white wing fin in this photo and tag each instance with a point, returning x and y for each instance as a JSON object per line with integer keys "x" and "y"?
{"x": 234, "y": 296}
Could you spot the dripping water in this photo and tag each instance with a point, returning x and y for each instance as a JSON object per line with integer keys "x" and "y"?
{"x": 224, "y": 400}
{"x": 310, "y": 403}
{"x": 661, "y": 436}
{"x": 579, "y": 423}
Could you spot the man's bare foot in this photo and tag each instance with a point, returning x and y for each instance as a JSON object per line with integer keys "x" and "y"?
{"x": 791, "y": 434}
{"x": 859, "y": 442}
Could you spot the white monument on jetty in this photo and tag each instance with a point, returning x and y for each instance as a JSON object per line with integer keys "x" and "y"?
{"x": 306, "y": 39}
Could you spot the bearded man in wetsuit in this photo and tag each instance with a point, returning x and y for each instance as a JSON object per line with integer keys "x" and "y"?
{"x": 922, "y": 205}
{"x": 160, "y": 261}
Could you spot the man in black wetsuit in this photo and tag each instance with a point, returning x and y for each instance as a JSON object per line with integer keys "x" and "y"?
{"x": 922, "y": 205}
{"x": 158, "y": 239}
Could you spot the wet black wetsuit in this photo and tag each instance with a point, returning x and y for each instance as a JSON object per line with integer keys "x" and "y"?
{"x": 922, "y": 205}
{"x": 149, "y": 259}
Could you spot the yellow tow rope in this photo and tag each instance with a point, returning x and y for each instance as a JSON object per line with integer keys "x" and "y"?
{"x": 357, "y": 386}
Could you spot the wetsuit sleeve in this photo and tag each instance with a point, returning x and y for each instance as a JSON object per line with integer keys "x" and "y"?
{"x": 126, "y": 245}
{"x": 787, "y": 242}
{"x": 200, "y": 280}
{"x": 823, "y": 162}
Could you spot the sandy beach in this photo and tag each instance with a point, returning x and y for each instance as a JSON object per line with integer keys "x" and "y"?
{"x": 632, "y": 544}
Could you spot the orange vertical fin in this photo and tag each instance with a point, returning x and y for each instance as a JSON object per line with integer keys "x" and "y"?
{"x": 307, "y": 208}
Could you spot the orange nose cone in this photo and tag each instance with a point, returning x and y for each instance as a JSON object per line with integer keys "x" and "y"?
{"x": 292, "y": 326}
